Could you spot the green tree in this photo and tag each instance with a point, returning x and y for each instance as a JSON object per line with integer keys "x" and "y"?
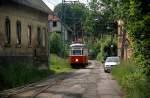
{"x": 57, "y": 46}
{"x": 71, "y": 14}
{"x": 55, "y": 43}
{"x": 100, "y": 18}
{"x": 136, "y": 16}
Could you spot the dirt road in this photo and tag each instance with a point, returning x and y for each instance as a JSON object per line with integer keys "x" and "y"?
{"x": 91, "y": 82}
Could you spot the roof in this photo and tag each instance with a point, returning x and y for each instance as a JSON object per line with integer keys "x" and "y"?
{"x": 77, "y": 45}
{"x": 53, "y": 18}
{"x": 36, "y": 4}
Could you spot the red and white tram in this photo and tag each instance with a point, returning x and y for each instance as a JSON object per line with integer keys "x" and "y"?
{"x": 78, "y": 55}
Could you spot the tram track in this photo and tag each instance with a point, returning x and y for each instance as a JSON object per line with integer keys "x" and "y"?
{"x": 41, "y": 90}
{"x": 36, "y": 88}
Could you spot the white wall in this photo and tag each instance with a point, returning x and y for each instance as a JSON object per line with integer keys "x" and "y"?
{"x": 58, "y": 29}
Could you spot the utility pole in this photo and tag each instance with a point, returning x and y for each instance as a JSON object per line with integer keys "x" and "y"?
{"x": 62, "y": 31}
{"x": 74, "y": 25}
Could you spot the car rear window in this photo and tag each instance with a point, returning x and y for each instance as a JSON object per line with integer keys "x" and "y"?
{"x": 112, "y": 59}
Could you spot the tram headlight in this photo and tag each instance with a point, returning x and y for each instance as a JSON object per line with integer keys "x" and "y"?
{"x": 76, "y": 60}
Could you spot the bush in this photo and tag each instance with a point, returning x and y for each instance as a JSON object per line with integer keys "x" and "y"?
{"x": 55, "y": 43}
{"x": 94, "y": 47}
{"x": 59, "y": 64}
{"x": 57, "y": 46}
{"x": 132, "y": 80}
{"x": 19, "y": 74}
{"x": 106, "y": 49}
{"x": 65, "y": 50}
{"x": 97, "y": 47}
{"x": 138, "y": 30}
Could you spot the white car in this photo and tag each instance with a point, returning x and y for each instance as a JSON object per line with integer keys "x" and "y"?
{"x": 110, "y": 62}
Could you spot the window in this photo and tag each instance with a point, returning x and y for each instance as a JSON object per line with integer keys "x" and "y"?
{"x": 29, "y": 35}
{"x": 18, "y": 30}
{"x": 39, "y": 36}
{"x": 7, "y": 31}
{"x": 43, "y": 37}
{"x": 76, "y": 52}
{"x": 85, "y": 52}
{"x": 112, "y": 59}
{"x": 54, "y": 23}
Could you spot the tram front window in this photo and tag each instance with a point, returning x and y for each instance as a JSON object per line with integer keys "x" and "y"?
{"x": 76, "y": 52}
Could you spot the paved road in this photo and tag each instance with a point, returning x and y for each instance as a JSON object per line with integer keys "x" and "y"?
{"x": 90, "y": 82}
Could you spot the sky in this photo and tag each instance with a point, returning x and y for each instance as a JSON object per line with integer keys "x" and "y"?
{"x": 52, "y": 3}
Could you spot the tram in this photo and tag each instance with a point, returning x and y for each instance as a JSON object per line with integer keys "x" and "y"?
{"x": 78, "y": 55}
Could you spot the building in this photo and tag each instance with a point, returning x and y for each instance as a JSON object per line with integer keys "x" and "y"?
{"x": 56, "y": 25}
{"x": 24, "y": 32}
{"x": 124, "y": 42}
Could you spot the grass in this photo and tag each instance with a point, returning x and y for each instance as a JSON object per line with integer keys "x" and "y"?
{"x": 18, "y": 74}
{"x": 132, "y": 80}
{"x": 59, "y": 65}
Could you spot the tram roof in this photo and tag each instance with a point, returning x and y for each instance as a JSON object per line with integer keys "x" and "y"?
{"x": 77, "y": 45}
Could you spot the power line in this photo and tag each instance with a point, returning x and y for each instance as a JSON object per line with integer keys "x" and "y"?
{"x": 75, "y": 24}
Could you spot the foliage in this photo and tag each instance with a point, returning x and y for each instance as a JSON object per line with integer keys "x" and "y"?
{"x": 57, "y": 46}
{"x": 71, "y": 14}
{"x": 101, "y": 48}
{"x": 99, "y": 18}
{"x": 136, "y": 17}
{"x": 108, "y": 48}
{"x": 94, "y": 48}
{"x": 134, "y": 77}
{"x": 65, "y": 48}
{"x": 59, "y": 65}
{"x": 132, "y": 80}
{"x": 18, "y": 74}
{"x": 55, "y": 43}
{"x": 138, "y": 29}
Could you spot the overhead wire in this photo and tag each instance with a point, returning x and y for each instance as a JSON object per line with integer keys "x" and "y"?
{"x": 73, "y": 18}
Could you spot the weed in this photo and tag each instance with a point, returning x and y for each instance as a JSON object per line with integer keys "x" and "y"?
{"x": 18, "y": 74}
{"x": 132, "y": 80}
{"x": 59, "y": 65}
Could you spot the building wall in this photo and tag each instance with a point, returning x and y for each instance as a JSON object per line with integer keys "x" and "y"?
{"x": 120, "y": 41}
{"x": 124, "y": 42}
{"x": 57, "y": 28}
{"x": 27, "y": 16}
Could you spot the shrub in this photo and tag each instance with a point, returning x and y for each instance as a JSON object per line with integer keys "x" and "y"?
{"x": 138, "y": 30}
{"x": 94, "y": 47}
{"x": 55, "y": 43}
{"x": 132, "y": 80}
{"x": 106, "y": 49}
{"x": 59, "y": 64}
{"x": 57, "y": 46}
{"x": 65, "y": 50}
{"x": 98, "y": 47}
{"x": 18, "y": 74}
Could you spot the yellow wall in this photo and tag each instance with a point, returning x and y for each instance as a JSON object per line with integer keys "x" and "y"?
{"x": 27, "y": 16}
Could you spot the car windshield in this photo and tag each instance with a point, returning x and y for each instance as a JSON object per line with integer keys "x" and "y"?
{"x": 112, "y": 59}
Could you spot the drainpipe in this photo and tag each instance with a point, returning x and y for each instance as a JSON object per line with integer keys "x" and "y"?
{"x": 49, "y": 30}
